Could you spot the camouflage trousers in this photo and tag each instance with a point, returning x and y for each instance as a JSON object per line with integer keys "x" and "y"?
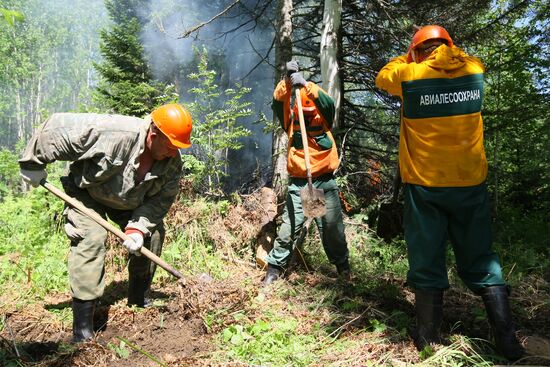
{"x": 87, "y": 254}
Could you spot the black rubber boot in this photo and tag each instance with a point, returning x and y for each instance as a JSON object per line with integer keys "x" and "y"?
{"x": 274, "y": 272}
{"x": 429, "y": 315}
{"x": 344, "y": 271}
{"x": 138, "y": 290}
{"x": 500, "y": 317}
{"x": 83, "y": 320}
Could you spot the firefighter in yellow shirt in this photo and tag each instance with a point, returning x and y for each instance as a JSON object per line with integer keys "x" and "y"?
{"x": 443, "y": 166}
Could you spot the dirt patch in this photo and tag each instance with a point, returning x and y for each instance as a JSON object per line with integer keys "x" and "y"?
{"x": 174, "y": 333}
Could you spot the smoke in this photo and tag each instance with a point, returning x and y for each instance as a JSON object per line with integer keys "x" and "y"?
{"x": 242, "y": 47}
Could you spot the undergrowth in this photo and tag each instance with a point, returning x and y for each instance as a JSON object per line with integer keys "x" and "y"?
{"x": 310, "y": 319}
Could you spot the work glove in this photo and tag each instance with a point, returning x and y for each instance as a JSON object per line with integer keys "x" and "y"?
{"x": 297, "y": 80}
{"x": 291, "y": 67}
{"x": 33, "y": 177}
{"x": 134, "y": 243}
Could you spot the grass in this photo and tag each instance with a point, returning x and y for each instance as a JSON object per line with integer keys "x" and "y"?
{"x": 310, "y": 319}
{"x": 33, "y": 249}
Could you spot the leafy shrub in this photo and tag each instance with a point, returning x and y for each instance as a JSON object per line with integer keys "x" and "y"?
{"x": 33, "y": 247}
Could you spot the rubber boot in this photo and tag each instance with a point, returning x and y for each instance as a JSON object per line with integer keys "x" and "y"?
{"x": 138, "y": 290}
{"x": 344, "y": 271}
{"x": 83, "y": 320}
{"x": 429, "y": 315}
{"x": 274, "y": 272}
{"x": 141, "y": 272}
{"x": 500, "y": 317}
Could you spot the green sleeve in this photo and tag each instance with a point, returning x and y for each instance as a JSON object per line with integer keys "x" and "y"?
{"x": 325, "y": 106}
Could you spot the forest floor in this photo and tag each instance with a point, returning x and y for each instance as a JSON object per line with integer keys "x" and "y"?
{"x": 220, "y": 315}
{"x": 176, "y": 330}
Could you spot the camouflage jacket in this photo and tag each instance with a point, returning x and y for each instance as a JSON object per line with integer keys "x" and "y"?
{"x": 104, "y": 151}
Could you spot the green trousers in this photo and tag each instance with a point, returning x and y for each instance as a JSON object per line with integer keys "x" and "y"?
{"x": 462, "y": 215}
{"x": 331, "y": 225}
{"x": 87, "y": 254}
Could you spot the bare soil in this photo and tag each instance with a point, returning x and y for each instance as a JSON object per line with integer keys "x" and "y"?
{"x": 173, "y": 332}
{"x": 176, "y": 330}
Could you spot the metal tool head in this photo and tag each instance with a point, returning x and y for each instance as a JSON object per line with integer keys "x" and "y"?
{"x": 313, "y": 202}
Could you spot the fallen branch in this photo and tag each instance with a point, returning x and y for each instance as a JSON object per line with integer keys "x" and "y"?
{"x": 5, "y": 322}
{"x": 145, "y": 353}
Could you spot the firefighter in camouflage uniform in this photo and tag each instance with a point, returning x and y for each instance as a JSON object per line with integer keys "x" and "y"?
{"x": 124, "y": 168}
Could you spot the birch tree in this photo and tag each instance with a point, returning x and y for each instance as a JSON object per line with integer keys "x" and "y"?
{"x": 330, "y": 41}
{"x": 283, "y": 53}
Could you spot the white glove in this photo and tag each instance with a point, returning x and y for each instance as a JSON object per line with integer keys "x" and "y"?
{"x": 33, "y": 177}
{"x": 297, "y": 80}
{"x": 291, "y": 67}
{"x": 134, "y": 243}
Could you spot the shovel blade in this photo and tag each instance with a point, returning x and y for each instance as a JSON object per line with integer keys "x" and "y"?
{"x": 313, "y": 202}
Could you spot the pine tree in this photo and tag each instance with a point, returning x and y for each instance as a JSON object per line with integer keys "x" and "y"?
{"x": 127, "y": 86}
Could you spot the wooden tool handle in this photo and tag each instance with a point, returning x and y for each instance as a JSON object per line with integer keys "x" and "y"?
{"x": 108, "y": 226}
{"x": 304, "y": 135}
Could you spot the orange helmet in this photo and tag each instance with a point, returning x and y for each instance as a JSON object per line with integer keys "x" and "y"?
{"x": 175, "y": 122}
{"x": 428, "y": 32}
{"x": 308, "y": 107}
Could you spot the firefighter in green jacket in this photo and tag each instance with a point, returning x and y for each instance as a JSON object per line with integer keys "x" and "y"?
{"x": 318, "y": 109}
{"x": 124, "y": 168}
{"x": 443, "y": 165}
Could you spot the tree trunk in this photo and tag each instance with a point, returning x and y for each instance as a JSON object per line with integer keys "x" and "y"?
{"x": 330, "y": 42}
{"x": 268, "y": 230}
{"x": 18, "y": 113}
{"x": 283, "y": 53}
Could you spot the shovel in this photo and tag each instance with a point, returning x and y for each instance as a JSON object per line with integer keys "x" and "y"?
{"x": 313, "y": 200}
{"x": 108, "y": 226}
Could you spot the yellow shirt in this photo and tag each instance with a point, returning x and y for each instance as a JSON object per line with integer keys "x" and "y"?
{"x": 441, "y": 135}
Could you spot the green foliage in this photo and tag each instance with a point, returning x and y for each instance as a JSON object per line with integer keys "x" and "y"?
{"x": 215, "y": 123}
{"x": 12, "y": 16}
{"x": 192, "y": 244}
{"x": 194, "y": 168}
{"x": 272, "y": 340}
{"x": 9, "y": 172}
{"x": 127, "y": 86}
{"x": 46, "y": 62}
{"x": 377, "y": 326}
{"x": 521, "y": 240}
{"x": 462, "y": 351}
{"x": 121, "y": 350}
{"x": 516, "y": 107}
{"x": 32, "y": 245}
